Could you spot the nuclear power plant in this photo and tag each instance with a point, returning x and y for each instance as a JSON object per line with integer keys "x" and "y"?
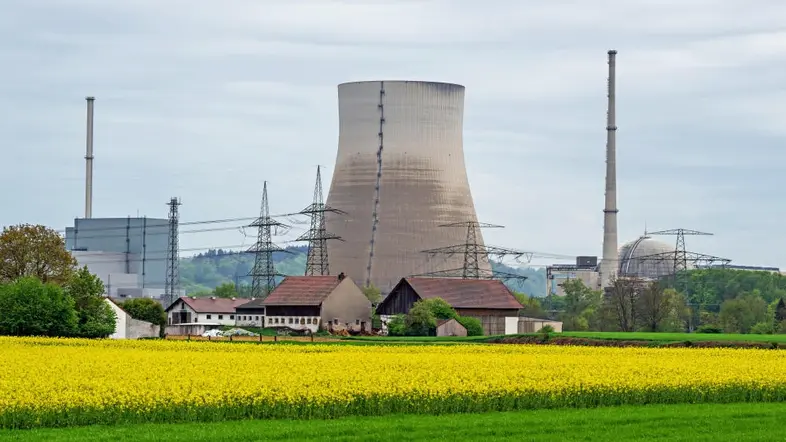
{"x": 399, "y": 176}
{"x": 399, "y": 205}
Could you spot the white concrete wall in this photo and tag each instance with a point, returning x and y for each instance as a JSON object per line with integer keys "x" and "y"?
{"x": 136, "y": 329}
{"x": 511, "y": 325}
{"x": 294, "y": 322}
{"x": 127, "y": 327}
{"x": 120, "y": 321}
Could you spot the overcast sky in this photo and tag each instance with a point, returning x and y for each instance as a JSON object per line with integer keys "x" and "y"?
{"x": 205, "y": 99}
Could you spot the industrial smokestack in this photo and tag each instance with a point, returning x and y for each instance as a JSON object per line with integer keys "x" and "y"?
{"x": 89, "y": 160}
{"x": 608, "y": 267}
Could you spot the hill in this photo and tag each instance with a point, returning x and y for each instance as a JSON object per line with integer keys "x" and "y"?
{"x": 206, "y": 271}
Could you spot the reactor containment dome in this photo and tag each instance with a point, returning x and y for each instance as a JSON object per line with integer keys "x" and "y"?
{"x": 636, "y": 259}
{"x": 399, "y": 175}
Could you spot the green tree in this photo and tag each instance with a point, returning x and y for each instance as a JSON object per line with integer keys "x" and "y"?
{"x": 473, "y": 325}
{"x": 780, "y": 311}
{"x": 660, "y": 309}
{"x": 373, "y": 294}
{"x": 225, "y": 290}
{"x": 28, "y": 307}
{"x": 622, "y": 302}
{"x": 581, "y": 305}
{"x": 146, "y": 309}
{"x": 96, "y": 319}
{"x": 532, "y": 306}
{"x": 740, "y": 314}
{"x": 397, "y": 326}
{"x": 420, "y": 320}
{"x": 34, "y": 250}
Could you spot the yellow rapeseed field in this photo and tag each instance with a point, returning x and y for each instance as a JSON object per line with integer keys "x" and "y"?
{"x": 51, "y": 382}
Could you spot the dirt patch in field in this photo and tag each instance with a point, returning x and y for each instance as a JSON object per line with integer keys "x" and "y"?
{"x": 559, "y": 340}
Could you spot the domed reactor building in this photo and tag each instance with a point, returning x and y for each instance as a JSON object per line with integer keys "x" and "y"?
{"x": 646, "y": 258}
{"x": 399, "y": 176}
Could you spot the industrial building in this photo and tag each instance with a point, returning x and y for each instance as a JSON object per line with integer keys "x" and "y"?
{"x": 128, "y": 254}
{"x": 585, "y": 269}
{"x": 399, "y": 176}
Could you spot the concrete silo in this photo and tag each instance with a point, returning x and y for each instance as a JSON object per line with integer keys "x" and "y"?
{"x": 399, "y": 175}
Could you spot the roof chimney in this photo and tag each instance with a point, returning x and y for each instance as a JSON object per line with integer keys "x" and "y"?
{"x": 341, "y": 276}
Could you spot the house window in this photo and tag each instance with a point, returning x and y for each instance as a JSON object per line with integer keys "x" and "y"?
{"x": 231, "y": 316}
{"x": 290, "y": 320}
{"x": 357, "y": 321}
{"x": 256, "y": 318}
{"x": 220, "y": 316}
{"x": 207, "y": 316}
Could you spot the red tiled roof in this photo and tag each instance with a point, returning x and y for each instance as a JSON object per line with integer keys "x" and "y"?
{"x": 466, "y": 293}
{"x": 213, "y": 305}
{"x": 302, "y": 290}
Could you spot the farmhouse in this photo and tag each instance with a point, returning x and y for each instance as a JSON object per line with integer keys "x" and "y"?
{"x": 212, "y": 310}
{"x": 308, "y": 302}
{"x": 127, "y": 327}
{"x": 490, "y": 301}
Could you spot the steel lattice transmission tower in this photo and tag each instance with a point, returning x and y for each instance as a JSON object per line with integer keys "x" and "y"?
{"x": 173, "y": 255}
{"x": 317, "y": 235}
{"x": 473, "y": 253}
{"x": 264, "y": 273}
{"x": 680, "y": 254}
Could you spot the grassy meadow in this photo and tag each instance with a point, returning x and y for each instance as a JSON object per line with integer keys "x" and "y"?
{"x": 678, "y": 423}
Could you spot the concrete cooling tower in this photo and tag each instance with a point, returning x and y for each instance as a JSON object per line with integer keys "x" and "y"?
{"x": 399, "y": 175}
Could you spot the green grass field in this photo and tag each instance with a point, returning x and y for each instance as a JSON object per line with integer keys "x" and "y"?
{"x": 676, "y": 337}
{"x": 737, "y": 422}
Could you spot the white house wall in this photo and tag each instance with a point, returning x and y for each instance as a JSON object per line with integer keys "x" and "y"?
{"x": 120, "y": 321}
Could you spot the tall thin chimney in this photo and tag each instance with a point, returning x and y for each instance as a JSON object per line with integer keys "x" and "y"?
{"x": 610, "y": 262}
{"x": 89, "y": 160}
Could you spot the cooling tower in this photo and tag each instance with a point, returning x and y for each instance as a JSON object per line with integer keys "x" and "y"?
{"x": 399, "y": 175}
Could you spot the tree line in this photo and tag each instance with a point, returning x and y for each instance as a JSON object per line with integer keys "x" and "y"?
{"x": 44, "y": 293}
{"x": 712, "y": 301}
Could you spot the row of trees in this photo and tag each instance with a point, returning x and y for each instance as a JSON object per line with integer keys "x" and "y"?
{"x": 638, "y": 305}
{"x": 44, "y": 293}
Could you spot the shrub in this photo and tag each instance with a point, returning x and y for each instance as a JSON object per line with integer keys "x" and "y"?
{"x": 709, "y": 329}
{"x": 762, "y": 328}
{"x": 397, "y": 326}
{"x": 546, "y": 329}
{"x": 148, "y": 310}
{"x": 473, "y": 325}
{"x": 29, "y": 307}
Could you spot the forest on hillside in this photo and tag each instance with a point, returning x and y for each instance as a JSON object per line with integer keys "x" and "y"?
{"x": 202, "y": 273}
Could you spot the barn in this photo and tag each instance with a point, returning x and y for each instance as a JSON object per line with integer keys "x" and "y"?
{"x": 490, "y": 301}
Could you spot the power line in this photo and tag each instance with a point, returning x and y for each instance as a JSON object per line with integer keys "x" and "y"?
{"x": 164, "y": 223}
